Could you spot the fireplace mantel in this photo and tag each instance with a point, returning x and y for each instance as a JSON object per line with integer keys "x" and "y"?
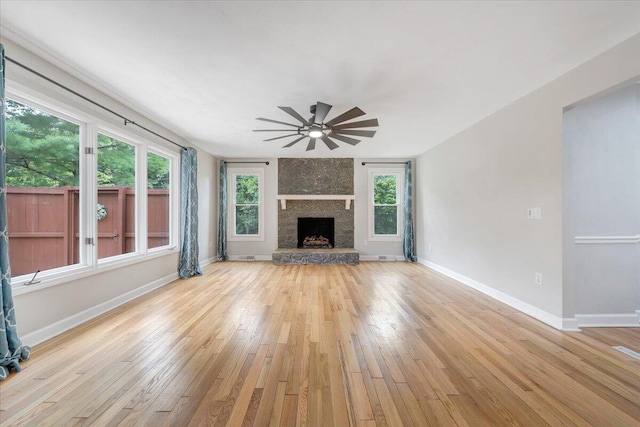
{"x": 348, "y": 198}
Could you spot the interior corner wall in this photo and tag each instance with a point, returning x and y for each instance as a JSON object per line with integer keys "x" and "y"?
{"x": 46, "y": 312}
{"x": 207, "y": 206}
{"x": 601, "y": 163}
{"x": 473, "y": 191}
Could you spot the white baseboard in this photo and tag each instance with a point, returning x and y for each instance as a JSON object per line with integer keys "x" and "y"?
{"x": 205, "y": 262}
{"x": 381, "y": 258}
{"x": 249, "y": 258}
{"x": 630, "y": 320}
{"x": 526, "y": 308}
{"x": 63, "y": 325}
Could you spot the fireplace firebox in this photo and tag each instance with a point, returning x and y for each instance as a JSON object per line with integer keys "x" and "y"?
{"x": 316, "y": 233}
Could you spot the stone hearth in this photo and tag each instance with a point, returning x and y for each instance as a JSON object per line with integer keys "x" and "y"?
{"x": 316, "y": 256}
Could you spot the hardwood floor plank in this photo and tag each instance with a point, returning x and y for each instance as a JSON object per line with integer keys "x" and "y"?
{"x": 373, "y": 344}
{"x": 249, "y": 384}
{"x": 278, "y": 407}
{"x": 336, "y": 378}
{"x": 263, "y": 415}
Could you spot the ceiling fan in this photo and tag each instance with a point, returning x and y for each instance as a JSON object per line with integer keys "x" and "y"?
{"x": 316, "y": 128}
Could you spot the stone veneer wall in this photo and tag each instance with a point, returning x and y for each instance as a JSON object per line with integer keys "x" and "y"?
{"x": 315, "y": 176}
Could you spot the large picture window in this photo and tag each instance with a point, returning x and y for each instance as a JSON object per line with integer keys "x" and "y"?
{"x": 385, "y": 198}
{"x": 78, "y": 192}
{"x": 43, "y": 189}
{"x": 246, "y": 205}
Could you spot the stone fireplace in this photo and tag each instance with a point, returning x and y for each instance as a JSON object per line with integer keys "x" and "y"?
{"x": 319, "y": 189}
{"x": 311, "y": 178}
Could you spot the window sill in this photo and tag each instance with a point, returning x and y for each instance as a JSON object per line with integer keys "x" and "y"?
{"x": 84, "y": 271}
{"x": 385, "y": 238}
{"x": 245, "y": 239}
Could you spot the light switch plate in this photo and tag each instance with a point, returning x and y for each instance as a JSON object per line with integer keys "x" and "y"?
{"x": 537, "y": 212}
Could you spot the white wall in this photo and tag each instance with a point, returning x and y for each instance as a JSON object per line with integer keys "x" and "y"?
{"x": 207, "y": 206}
{"x": 601, "y": 163}
{"x": 46, "y": 311}
{"x": 264, "y": 249}
{"x": 474, "y": 189}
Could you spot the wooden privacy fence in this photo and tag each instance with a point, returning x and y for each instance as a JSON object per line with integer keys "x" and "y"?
{"x": 44, "y": 225}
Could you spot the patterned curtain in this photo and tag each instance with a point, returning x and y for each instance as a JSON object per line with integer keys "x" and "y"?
{"x": 408, "y": 234}
{"x": 11, "y": 349}
{"x": 222, "y": 215}
{"x": 189, "y": 264}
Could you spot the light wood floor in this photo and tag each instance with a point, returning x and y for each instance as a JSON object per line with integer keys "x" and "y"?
{"x": 375, "y": 344}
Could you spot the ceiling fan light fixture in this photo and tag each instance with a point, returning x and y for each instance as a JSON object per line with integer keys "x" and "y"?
{"x": 315, "y": 132}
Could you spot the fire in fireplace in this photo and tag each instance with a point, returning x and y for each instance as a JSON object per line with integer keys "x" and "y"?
{"x": 316, "y": 233}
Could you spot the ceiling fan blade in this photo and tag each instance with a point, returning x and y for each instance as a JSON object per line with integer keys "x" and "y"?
{"x": 276, "y": 121}
{"x": 290, "y": 111}
{"x": 346, "y": 139}
{"x": 280, "y": 137}
{"x": 361, "y": 124}
{"x": 367, "y": 133}
{"x": 312, "y": 144}
{"x": 351, "y": 114}
{"x": 329, "y": 143}
{"x": 293, "y": 142}
{"x": 273, "y": 130}
{"x": 322, "y": 110}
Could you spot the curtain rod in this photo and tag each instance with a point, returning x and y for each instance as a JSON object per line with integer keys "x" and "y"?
{"x": 386, "y": 163}
{"x": 224, "y": 161}
{"x": 126, "y": 121}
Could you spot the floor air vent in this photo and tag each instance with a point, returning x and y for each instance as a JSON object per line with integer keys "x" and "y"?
{"x": 626, "y": 351}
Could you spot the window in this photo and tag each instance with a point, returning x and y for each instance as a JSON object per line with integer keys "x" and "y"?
{"x": 78, "y": 193}
{"x": 116, "y": 208}
{"x": 158, "y": 200}
{"x": 246, "y": 207}
{"x": 385, "y": 196}
{"x": 43, "y": 189}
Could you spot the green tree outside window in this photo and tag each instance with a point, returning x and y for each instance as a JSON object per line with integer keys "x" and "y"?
{"x": 385, "y": 204}
{"x": 247, "y": 199}
{"x": 43, "y": 151}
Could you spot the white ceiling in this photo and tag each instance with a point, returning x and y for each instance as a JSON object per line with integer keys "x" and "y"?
{"x": 426, "y": 70}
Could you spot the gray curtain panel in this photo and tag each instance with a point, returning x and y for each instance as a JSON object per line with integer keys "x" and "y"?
{"x": 408, "y": 233}
{"x": 222, "y": 215}
{"x": 189, "y": 264}
{"x": 11, "y": 349}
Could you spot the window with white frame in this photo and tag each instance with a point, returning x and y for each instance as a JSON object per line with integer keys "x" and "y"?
{"x": 385, "y": 204}
{"x": 246, "y": 204}
{"x": 76, "y": 191}
{"x": 43, "y": 187}
{"x": 116, "y": 177}
{"x": 158, "y": 200}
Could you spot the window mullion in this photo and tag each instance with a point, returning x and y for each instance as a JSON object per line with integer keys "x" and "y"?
{"x": 141, "y": 214}
{"x": 88, "y": 193}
